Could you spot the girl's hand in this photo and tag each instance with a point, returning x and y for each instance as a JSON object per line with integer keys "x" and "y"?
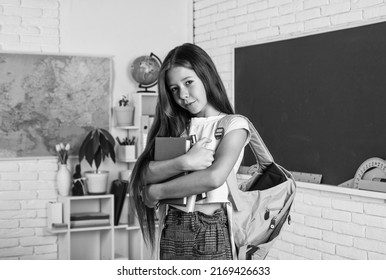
{"x": 148, "y": 197}
{"x": 199, "y": 157}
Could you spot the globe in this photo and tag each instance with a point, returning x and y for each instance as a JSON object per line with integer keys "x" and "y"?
{"x": 145, "y": 69}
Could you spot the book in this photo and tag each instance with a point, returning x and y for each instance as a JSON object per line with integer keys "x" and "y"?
{"x": 119, "y": 190}
{"x": 90, "y": 223}
{"x": 89, "y": 219}
{"x": 89, "y": 216}
{"x": 172, "y": 147}
{"x": 169, "y": 148}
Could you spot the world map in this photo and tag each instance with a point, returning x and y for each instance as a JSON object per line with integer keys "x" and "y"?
{"x": 49, "y": 99}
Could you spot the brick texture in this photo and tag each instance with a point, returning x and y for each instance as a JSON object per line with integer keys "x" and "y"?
{"x": 26, "y": 186}
{"x": 334, "y": 227}
{"x": 29, "y": 25}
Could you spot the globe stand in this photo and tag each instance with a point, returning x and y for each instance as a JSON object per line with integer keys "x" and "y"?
{"x": 146, "y": 87}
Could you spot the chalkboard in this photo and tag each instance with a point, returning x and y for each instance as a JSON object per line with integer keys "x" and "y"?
{"x": 318, "y": 101}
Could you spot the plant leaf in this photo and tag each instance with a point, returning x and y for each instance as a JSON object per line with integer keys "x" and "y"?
{"x": 89, "y": 153}
{"x": 108, "y": 136}
{"x": 112, "y": 152}
{"x": 103, "y": 153}
{"x": 104, "y": 144}
{"x": 82, "y": 149}
{"x": 95, "y": 141}
{"x": 98, "y": 158}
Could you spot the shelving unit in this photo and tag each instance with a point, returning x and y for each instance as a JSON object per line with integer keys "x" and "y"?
{"x": 86, "y": 242}
{"x": 125, "y": 240}
{"x": 107, "y": 242}
{"x": 144, "y": 108}
{"x": 128, "y": 237}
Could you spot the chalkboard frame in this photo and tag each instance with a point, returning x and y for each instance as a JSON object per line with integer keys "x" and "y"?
{"x": 337, "y": 161}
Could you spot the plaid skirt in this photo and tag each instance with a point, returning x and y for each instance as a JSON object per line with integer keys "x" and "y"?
{"x": 195, "y": 236}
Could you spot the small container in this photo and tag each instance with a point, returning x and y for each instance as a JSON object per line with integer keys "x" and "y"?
{"x": 126, "y": 152}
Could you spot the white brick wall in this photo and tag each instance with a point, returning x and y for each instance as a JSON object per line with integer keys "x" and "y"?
{"x": 349, "y": 227}
{"x": 29, "y": 25}
{"x": 26, "y": 185}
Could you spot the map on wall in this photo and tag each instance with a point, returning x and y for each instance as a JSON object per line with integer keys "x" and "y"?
{"x": 48, "y": 99}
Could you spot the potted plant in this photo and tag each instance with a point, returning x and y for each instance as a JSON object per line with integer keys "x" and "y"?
{"x": 124, "y": 113}
{"x": 97, "y": 145}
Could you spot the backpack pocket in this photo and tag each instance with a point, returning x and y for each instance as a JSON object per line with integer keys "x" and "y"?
{"x": 260, "y": 214}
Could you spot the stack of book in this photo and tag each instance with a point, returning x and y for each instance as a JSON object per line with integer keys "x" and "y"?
{"x": 89, "y": 219}
{"x": 168, "y": 148}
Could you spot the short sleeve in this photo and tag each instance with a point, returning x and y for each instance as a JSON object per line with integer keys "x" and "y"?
{"x": 239, "y": 123}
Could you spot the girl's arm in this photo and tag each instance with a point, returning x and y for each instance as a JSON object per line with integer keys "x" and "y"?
{"x": 197, "y": 158}
{"x": 203, "y": 180}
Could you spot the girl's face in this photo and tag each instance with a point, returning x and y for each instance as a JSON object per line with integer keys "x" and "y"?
{"x": 189, "y": 91}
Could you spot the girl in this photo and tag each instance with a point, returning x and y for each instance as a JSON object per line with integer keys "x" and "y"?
{"x": 192, "y": 99}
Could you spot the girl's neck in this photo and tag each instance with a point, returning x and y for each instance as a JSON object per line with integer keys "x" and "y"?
{"x": 209, "y": 112}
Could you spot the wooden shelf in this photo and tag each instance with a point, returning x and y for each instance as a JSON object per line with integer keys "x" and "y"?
{"x": 149, "y": 94}
{"x": 89, "y": 228}
{"x": 123, "y": 226}
{"x": 57, "y": 231}
{"x": 128, "y": 127}
{"x": 135, "y": 227}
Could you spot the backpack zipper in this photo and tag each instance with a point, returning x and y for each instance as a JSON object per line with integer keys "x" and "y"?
{"x": 268, "y": 212}
{"x": 273, "y": 223}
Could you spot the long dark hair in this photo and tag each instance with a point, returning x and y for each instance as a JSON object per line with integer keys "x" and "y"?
{"x": 171, "y": 120}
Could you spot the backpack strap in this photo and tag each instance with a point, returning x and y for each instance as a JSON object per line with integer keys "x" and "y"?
{"x": 262, "y": 155}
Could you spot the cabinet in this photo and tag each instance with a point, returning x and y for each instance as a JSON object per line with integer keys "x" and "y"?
{"x": 86, "y": 242}
{"x": 105, "y": 241}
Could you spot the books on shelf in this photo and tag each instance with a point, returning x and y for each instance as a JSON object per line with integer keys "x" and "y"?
{"x": 169, "y": 148}
{"x": 89, "y": 219}
{"x": 90, "y": 223}
{"x": 89, "y": 216}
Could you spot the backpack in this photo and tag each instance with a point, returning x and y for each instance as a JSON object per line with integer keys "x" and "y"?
{"x": 262, "y": 203}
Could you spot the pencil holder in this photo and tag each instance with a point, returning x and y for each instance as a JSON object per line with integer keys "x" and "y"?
{"x": 126, "y": 152}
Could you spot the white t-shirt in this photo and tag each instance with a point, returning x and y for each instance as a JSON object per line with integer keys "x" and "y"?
{"x": 206, "y": 127}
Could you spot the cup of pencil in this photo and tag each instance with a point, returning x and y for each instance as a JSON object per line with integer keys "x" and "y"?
{"x": 126, "y": 149}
